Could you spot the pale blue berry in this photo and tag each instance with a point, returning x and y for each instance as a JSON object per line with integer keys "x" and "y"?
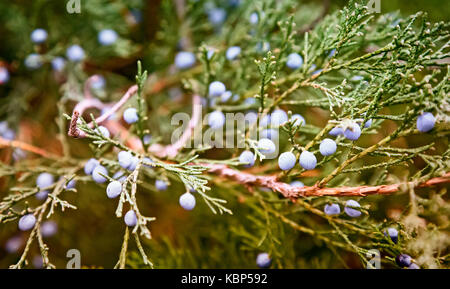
{"x": 4, "y": 75}
{"x": 120, "y": 176}
{"x": 125, "y": 158}
{"x": 216, "y": 88}
{"x": 58, "y": 63}
{"x": 147, "y": 162}
{"x": 39, "y": 35}
{"x": 49, "y": 228}
{"x": 33, "y": 61}
{"x": 247, "y": 158}
{"x": 187, "y": 201}
{"x": 233, "y": 52}
{"x": 413, "y": 266}
{"x": 217, "y": 16}
{"x": 147, "y": 139}
{"x": 98, "y": 173}
{"x": 226, "y": 96}
{"x": 103, "y": 131}
{"x": 130, "y": 115}
{"x": 298, "y": 120}
{"x": 265, "y": 121}
{"x": 403, "y": 260}
{"x": 254, "y": 18}
{"x": 352, "y": 212}
{"x": 426, "y": 122}
{"x": 336, "y": 131}
{"x": 98, "y": 82}
{"x": 332, "y": 52}
{"x": 327, "y": 147}
{"x": 251, "y": 117}
{"x": 9, "y": 134}
{"x": 270, "y": 134}
{"x": 266, "y": 146}
{"x": 90, "y": 166}
{"x": 75, "y": 53}
{"x": 71, "y": 184}
{"x": 107, "y": 37}
{"x": 13, "y": 244}
{"x": 332, "y": 209}
{"x": 263, "y": 260}
{"x": 130, "y": 218}
{"x": 294, "y": 61}
{"x": 278, "y": 117}
{"x": 353, "y": 132}
{"x": 44, "y": 180}
{"x": 114, "y": 189}
{"x": 133, "y": 164}
{"x": 392, "y": 233}
{"x": 42, "y": 195}
{"x": 250, "y": 101}
{"x": 216, "y": 119}
{"x": 297, "y": 184}
{"x": 308, "y": 160}
{"x": 286, "y": 161}
{"x": 161, "y": 185}
{"x": 368, "y": 123}
{"x": 27, "y": 222}
{"x": 184, "y": 60}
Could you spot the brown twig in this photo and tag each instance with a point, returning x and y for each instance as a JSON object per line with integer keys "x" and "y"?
{"x": 292, "y": 193}
{"x": 26, "y": 147}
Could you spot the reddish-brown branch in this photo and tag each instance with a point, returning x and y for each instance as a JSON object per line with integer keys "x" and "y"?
{"x": 173, "y": 149}
{"x": 26, "y": 147}
{"x": 90, "y": 102}
{"x": 291, "y": 192}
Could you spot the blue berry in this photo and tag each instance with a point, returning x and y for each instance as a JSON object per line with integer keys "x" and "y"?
{"x": 147, "y": 139}
{"x": 107, "y": 37}
{"x": 263, "y": 260}
{"x": 147, "y": 162}
{"x": 161, "y": 185}
{"x": 49, "y": 228}
{"x": 133, "y": 165}
{"x": 90, "y": 166}
{"x": 130, "y": 115}
{"x": 327, "y": 147}
{"x": 58, "y": 63}
{"x": 4, "y": 75}
{"x": 278, "y": 117}
{"x": 44, "y": 180}
{"x": 265, "y": 121}
{"x": 216, "y": 88}
{"x": 298, "y": 120}
{"x": 120, "y": 176}
{"x": 254, "y": 18}
{"x": 130, "y": 218}
{"x": 426, "y": 122}
{"x": 114, "y": 189}
{"x": 248, "y": 158}
{"x": 33, "y": 61}
{"x": 125, "y": 158}
{"x": 297, "y": 184}
{"x": 270, "y": 134}
{"x": 187, "y": 201}
{"x": 184, "y": 60}
{"x": 368, "y": 123}
{"x": 13, "y": 244}
{"x": 226, "y": 96}
{"x": 75, "y": 53}
{"x": 39, "y": 35}
{"x": 42, "y": 195}
{"x": 98, "y": 82}
{"x": 250, "y": 101}
{"x": 97, "y": 174}
{"x": 308, "y": 160}
{"x": 210, "y": 53}
{"x": 103, "y": 131}
{"x": 217, "y": 16}
{"x": 294, "y": 61}
{"x": 286, "y": 161}
{"x": 71, "y": 184}
{"x": 332, "y": 209}
{"x": 336, "y": 131}
{"x": 413, "y": 266}
{"x": 216, "y": 119}
{"x": 357, "y": 78}
{"x": 251, "y": 117}
{"x": 27, "y": 222}
{"x": 266, "y": 146}
{"x": 332, "y": 52}
{"x": 9, "y": 134}
{"x": 353, "y": 132}
{"x": 392, "y": 233}
{"x": 403, "y": 260}
{"x": 233, "y": 52}
{"x": 352, "y": 212}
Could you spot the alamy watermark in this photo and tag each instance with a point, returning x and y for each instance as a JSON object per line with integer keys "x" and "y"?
{"x": 74, "y": 256}
{"x": 374, "y": 259}
{"x": 73, "y": 6}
